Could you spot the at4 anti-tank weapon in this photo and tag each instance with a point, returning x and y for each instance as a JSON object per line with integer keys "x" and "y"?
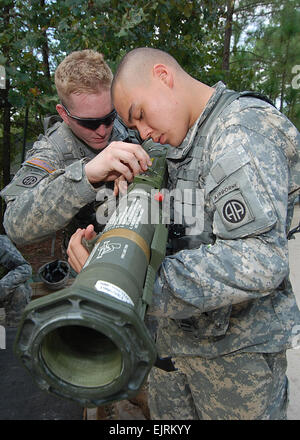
{"x": 89, "y": 342}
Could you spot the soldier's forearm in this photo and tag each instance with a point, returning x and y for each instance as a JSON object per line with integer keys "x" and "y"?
{"x": 208, "y": 278}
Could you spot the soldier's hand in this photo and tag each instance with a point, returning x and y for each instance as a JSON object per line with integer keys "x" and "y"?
{"x": 120, "y": 186}
{"x": 77, "y": 253}
{"x": 117, "y": 159}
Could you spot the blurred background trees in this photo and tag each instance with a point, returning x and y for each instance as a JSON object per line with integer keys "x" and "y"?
{"x": 248, "y": 44}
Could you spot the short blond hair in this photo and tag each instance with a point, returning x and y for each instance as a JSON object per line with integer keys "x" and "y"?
{"x": 82, "y": 71}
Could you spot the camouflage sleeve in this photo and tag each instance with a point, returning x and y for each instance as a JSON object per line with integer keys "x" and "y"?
{"x": 247, "y": 189}
{"x": 43, "y": 197}
{"x": 19, "y": 270}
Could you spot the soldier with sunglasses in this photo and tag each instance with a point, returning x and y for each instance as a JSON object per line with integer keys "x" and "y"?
{"x": 82, "y": 152}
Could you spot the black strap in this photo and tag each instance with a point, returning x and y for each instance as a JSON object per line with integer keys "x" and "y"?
{"x": 293, "y": 231}
{"x": 258, "y": 95}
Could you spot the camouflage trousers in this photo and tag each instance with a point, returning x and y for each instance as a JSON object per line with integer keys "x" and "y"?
{"x": 242, "y": 386}
{"x": 15, "y": 303}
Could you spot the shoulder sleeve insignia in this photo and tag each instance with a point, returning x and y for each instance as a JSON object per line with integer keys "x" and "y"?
{"x": 243, "y": 206}
{"x": 29, "y": 180}
{"x": 234, "y": 210}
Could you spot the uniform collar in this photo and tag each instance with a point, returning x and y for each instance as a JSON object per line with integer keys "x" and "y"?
{"x": 182, "y": 150}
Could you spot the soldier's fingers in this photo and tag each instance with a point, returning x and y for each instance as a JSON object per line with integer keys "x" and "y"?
{"x": 123, "y": 169}
{"x": 129, "y": 159}
{"x": 140, "y": 154}
{"x": 75, "y": 239}
{"x": 89, "y": 232}
{"x": 116, "y": 188}
{"x": 123, "y": 185}
{"x": 120, "y": 185}
{"x": 77, "y": 253}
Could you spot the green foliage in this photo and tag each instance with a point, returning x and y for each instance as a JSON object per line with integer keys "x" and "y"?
{"x": 36, "y": 35}
{"x": 268, "y": 55}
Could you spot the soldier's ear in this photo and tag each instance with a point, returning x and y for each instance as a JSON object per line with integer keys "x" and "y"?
{"x": 163, "y": 73}
{"x": 62, "y": 113}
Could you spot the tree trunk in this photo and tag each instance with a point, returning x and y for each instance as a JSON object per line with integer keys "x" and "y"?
{"x": 283, "y": 76}
{"x": 227, "y": 36}
{"x": 45, "y": 48}
{"x": 25, "y": 133}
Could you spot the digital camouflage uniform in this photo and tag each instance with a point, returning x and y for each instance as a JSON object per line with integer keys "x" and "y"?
{"x": 15, "y": 291}
{"x": 51, "y": 187}
{"x": 225, "y": 307}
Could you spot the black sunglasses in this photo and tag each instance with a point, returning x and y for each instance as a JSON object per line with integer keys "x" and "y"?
{"x": 93, "y": 123}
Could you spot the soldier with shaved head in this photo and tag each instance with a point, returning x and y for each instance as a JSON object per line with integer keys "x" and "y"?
{"x": 223, "y": 300}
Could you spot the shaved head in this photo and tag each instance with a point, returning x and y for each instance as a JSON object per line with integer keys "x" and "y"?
{"x": 152, "y": 93}
{"x": 135, "y": 67}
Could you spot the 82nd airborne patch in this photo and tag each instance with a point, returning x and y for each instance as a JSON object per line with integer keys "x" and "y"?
{"x": 234, "y": 210}
{"x": 30, "y": 180}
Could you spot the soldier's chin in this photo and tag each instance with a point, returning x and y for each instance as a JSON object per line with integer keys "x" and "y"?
{"x": 98, "y": 144}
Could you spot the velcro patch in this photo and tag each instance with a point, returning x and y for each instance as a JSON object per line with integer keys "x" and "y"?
{"x": 41, "y": 163}
{"x": 234, "y": 211}
{"x": 29, "y": 180}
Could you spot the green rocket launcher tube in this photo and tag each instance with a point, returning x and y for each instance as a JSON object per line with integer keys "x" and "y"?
{"x": 89, "y": 342}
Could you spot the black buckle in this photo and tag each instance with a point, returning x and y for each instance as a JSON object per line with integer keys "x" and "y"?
{"x": 165, "y": 364}
{"x": 176, "y": 230}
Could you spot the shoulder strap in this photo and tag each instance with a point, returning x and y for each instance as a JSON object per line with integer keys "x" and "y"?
{"x": 293, "y": 231}
{"x": 225, "y": 99}
{"x": 50, "y": 121}
{"x": 257, "y": 95}
{"x": 66, "y": 155}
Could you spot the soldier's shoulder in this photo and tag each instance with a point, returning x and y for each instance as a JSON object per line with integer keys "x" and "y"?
{"x": 258, "y": 115}
{"x": 48, "y": 146}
